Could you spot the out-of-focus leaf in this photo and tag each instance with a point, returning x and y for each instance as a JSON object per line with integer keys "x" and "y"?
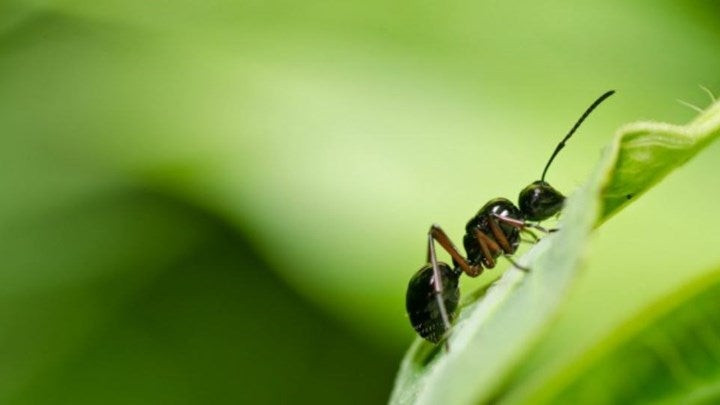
{"x": 492, "y": 334}
{"x": 669, "y": 352}
{"x": 139, "y": 297}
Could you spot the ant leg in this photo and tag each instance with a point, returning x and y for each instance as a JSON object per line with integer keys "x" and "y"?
{"x": 437, "y": 283}
{"x": 484, "y": 239}
{"x": 518, "y": 223}
{"x": 439, "y": 235}
{"x": 521, "y": 224}
{"x": 489, "y": 247}
{"x": 500, "y": 236}
{"x": 540, "y": 228}
{"x": 515, "y": 264}
{"x": 486, "y": 245}
{"x": 531, "y": 234}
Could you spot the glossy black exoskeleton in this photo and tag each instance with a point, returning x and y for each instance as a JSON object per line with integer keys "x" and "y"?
{"x": 433, "y": 293}
{"x": 425, "y": 314}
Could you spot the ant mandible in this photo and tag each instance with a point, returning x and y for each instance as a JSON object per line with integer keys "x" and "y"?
{"x": 433, "y": 292}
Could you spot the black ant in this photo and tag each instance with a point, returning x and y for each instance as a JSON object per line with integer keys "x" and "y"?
{"x": 433, "y": 292}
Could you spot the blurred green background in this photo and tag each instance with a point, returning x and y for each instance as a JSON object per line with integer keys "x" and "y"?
{"x": 223, "y": 201}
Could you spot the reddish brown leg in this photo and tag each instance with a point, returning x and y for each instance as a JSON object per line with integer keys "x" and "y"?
{"x": 488, "y": 247}
{"x": 500, "y": 236}
{"x": 439, "y": 235}
{"x": 502, "y": 240}
{"x": 520, "y": 224}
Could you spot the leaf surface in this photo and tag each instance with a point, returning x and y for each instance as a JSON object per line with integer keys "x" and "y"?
{"x": 671, "y": 349}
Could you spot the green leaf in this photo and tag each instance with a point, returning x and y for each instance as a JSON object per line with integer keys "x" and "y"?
{"x": 495, "y": 331}
{"x": 671, "y": 350}
{"x": 647, "y": 151}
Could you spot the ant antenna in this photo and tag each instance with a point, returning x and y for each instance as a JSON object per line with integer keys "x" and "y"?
{"x": 574, "y": 128}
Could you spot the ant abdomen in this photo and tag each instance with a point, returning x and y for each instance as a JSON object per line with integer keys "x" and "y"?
{"x": 422, "y": 305}
{"x": 503, "y": 237}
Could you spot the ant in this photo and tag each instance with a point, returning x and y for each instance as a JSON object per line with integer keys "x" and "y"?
{"x": 433, "y": 292}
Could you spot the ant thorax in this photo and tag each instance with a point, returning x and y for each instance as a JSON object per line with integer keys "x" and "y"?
{"x": 485, "y": 225}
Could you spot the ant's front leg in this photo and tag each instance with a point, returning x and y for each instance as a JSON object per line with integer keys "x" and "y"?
{"x": 523, "y": 225}
{"x": 500, "y": 236}
{"x": 530, "y": 233}
{"x": 515, "y": 264}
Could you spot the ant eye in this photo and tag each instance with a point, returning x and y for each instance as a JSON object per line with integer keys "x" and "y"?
{"x": 540, "y": 201}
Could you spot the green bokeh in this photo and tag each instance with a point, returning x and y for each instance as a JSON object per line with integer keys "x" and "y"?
{"x": 294, "y": 155}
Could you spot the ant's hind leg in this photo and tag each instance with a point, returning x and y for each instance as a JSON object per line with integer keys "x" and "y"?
{"x": 437, "y": 283}
{"x": 439, "y": 235}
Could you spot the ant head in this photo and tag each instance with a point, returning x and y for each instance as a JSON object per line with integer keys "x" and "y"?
{"x": 539, "y": 201}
